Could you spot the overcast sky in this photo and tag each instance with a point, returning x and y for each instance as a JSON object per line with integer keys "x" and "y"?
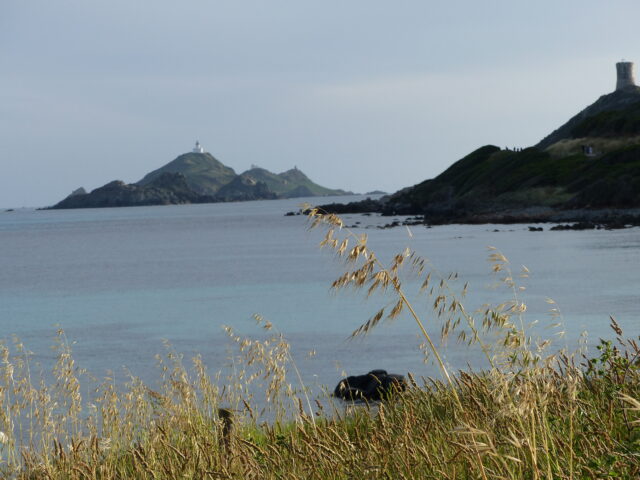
{"x": 359, "y": 95}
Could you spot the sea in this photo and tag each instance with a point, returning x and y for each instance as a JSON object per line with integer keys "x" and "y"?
{"x": 128, "y": 284}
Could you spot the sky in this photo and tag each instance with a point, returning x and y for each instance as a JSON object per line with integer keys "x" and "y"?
{"x": 359, "y": 94}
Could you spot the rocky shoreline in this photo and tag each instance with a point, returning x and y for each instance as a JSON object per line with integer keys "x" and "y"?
{"x": 566, "y": 219}
{"x": 581, "y": 218}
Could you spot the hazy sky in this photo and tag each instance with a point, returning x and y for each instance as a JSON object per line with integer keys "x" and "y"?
{"x": 360, "y": 95}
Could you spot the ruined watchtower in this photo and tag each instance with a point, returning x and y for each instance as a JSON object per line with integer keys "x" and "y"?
{"x": 626, "y": 75}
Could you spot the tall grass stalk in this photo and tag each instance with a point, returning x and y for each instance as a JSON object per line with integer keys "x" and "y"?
{"x": 536, "y": 412}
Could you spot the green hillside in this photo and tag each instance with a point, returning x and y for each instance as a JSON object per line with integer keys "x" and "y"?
{"x": 289, "y": 184}
{"x": 491, "y": 179}
{"x": 592, "y": 161}
{"x": 243, "y": 188}
{"x": 620, "y": 100}
{"x": 611, "y": 123}
{"x": 204, "y": 173}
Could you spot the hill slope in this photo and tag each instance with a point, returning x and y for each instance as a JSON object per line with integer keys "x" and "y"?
{"x": 559, "y": 177}
{"x": 204, "y": 173}
{"x": 243, "y": 188}
{"x": 290, "y": 184}
{"x": 491, "y": 180}
{"x": 618, "y": 100}
{"x": 591, "y": 162}
{"x": 165, "y": 189}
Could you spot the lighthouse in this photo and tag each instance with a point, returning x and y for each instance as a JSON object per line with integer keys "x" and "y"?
{"x": 626, "y": 75}
{"x": 198, "y": 148}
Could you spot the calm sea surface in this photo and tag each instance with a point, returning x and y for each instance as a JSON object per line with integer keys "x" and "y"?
{"x": 120, "y": 281}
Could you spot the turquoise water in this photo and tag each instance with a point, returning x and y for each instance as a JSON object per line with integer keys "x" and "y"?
{"x": 120, "y": 281}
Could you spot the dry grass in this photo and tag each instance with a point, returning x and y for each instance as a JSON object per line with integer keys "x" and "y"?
{"x": 536, "y": 413}
{"x": 601, "y": 145}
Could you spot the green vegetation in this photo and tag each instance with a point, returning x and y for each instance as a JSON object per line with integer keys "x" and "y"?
{"x": 494, "y": 178}
{"x": 535, "y": 413}
{"x": 204, "y": 173}
{"x": 610, "y": 123}
{"x": 274, "y": 182}
{"x": 620, "y": 100}
{"x": 491, "y": 179}
{"x": 290, "y": 184}
{"x": 208, "y": 176}
{"x": 305, "y": 185}
{"x": 198, "y": 178}
{"x": 592, "y": 161}
{"x": 600, "y": 145}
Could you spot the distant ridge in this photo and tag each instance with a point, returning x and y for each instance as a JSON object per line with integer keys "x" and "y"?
{"x": 204, "y": 173}
{"x": 290, "y": 184}
{"x": 198, "y": 177}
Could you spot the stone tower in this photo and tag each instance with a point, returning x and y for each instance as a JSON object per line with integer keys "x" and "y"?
{"x": 626, "y": 75}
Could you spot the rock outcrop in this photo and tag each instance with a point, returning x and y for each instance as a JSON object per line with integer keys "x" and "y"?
{"x": 375, "y": 385}
{"x": 78, "y": 191}
{"x": 243, "y": 188}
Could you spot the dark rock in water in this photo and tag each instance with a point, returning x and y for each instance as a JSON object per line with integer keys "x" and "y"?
{"x": 536, "y": 229}
{"x": 615, "y": 226}
{"x": 575, "y": 226}
{"x": 375, "y": 385}
{"x": 363, "y": 206}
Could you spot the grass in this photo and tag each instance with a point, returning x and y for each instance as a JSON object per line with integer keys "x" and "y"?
{"x": 490, "y": 180}
{"x": 610, "y": 123}
{"x": 536, "y": 413}
{"x": 600, "y": 145}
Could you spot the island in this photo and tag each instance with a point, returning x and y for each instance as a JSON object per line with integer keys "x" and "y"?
{"x": 198, "y": 177}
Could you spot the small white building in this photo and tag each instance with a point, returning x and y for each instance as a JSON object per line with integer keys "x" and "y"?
{"x": 198, "y": 148}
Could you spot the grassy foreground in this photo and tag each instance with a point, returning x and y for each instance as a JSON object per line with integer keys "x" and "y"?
{"x": 536, "y": 413}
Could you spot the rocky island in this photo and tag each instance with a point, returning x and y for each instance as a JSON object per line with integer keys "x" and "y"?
{"x": 198, "y": 177}
{"x": 588, "y": 170}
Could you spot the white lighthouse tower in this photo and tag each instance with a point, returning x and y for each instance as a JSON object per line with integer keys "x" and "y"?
{"x": 198, "y": 148}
